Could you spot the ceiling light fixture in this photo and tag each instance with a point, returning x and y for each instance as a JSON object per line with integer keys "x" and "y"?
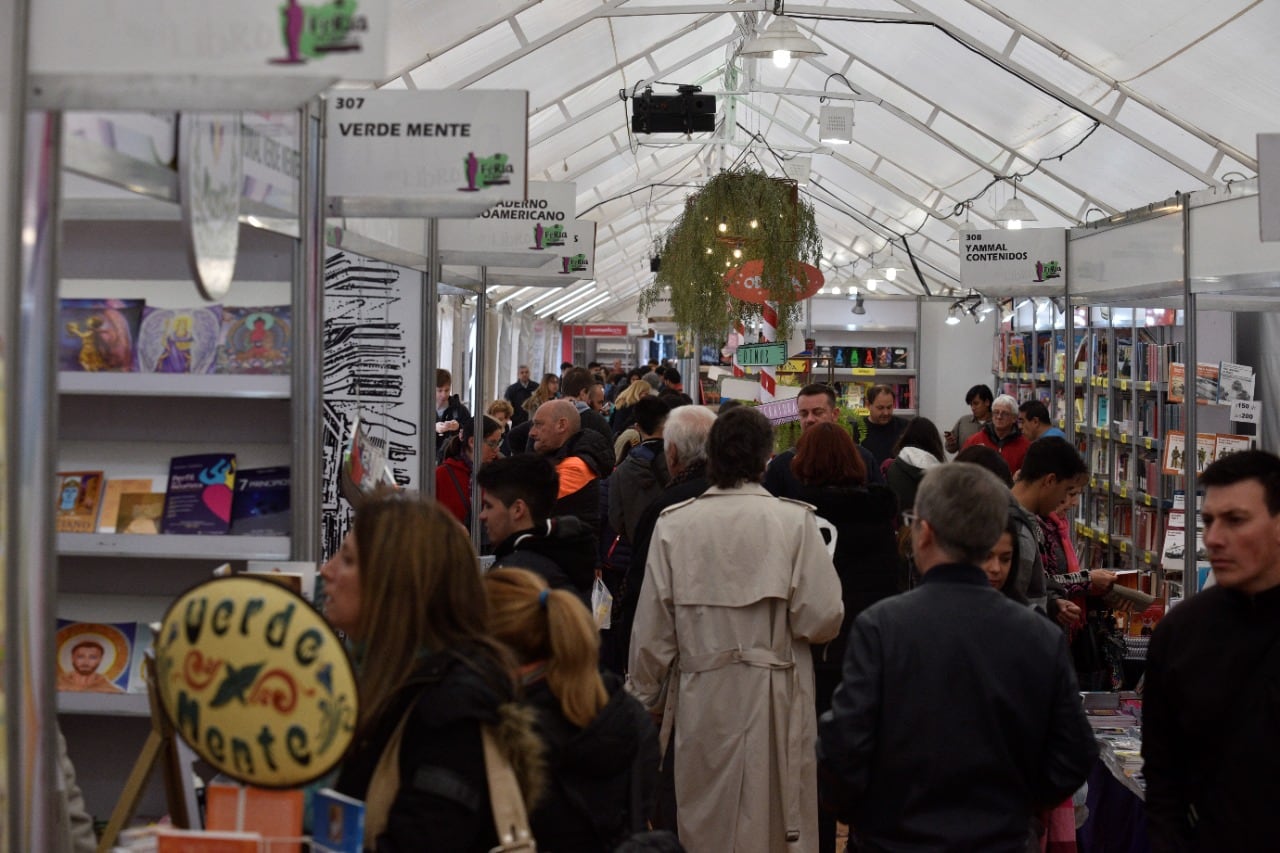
{"x": 587, "y": 306}
{"x": 962, "y": 227}
{"x": 1015, "y": 211}
{"x": 782, "y": 42}
{"x": 511, "y": 296}
{"x": 835, "y": 124}
{"x": 953, "y": 315}
{"x": 858, "y": 307}
{"x": 891, "y": 268}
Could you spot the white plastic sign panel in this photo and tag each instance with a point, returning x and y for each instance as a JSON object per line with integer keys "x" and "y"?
{"x": 1246, "y": 411}
{"x": 515, "y": 233}
{"x": 153, "y": 54}
{"x": 210, "y": 180}
{"x": 575, "y": 260}
{"x": 446, "y": 154}
{"x": 1269, "y": 185}
{"x": 272, "y": 160}
{"x": 999, "y": 262}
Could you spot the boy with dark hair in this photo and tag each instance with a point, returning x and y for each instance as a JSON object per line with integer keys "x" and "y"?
{"x": 519, "y": 493}
{"x": 978, "y": 399}
{"x": 1033, "y": 420}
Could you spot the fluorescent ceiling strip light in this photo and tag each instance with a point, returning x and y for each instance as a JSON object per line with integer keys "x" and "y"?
{"x": 582, "y": 309}
{"x": 550, "y": 291}
{"x": 566, "y": 299}
{"x": 520, "y": 292}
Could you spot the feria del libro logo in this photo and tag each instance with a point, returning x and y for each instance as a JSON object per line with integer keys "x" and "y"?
{"x": 484, "y": 172}
{"x": 314, "y": 31}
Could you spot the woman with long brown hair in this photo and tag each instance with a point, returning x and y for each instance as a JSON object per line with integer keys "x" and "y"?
{"x": 602, "y": 749}
{"x": 405, "y": 588}
{"x": 833, "y": 477}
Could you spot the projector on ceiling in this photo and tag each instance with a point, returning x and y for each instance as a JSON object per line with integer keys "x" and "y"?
{"x": 688, "y": 112}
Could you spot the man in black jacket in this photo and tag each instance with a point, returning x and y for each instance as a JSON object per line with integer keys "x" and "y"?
{"x": 515, "y": 507}
{"x": 518, "y": 392}
{"x": 581, "y": 458}
{"x": 957, "y": 717}
{"x": 816, "y": 404}
{"x": 580, "y": 387}
{"x": 1210, "y": 742}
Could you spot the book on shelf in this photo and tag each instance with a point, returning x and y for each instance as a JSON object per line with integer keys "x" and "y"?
{"x": 1206, "y": 382}
{"x": 98, "y": 335}
{"x": 1206, "y": 444}
{"x": 169, "y": 840}
{"x": 140, "y": 513}
{"x": 337, "y": 822}
{"x": 1235, "y": 382}
{"x": 79, "y": 498}
{"x": 178, "y": 340}
{"x": 108, "y": 516}
{"x": 199, "y": 495}
{"x": 255, "y": 340}
{"x": 1228, "y": 444}
{"x": 1016, "y": 357}
{"x": 276, "y": 815}
{"x": 260, "y": 506}
{"x": 1175, "y": 452}
{"x": 1101, "y": 411}
{"x": 143, "y": 640}
{"x": 1177, "y": 382}
{"x": 94, "y": 657}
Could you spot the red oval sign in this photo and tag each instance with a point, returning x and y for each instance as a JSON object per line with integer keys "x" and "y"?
{"x": 745, "y": 281}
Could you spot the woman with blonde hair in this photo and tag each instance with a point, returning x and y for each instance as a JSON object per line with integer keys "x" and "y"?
{"x": 405, "y": 588}
{"x": 548, "y": 389}
{"x": 602, "y": 751}
{"x": 624, "y": 413}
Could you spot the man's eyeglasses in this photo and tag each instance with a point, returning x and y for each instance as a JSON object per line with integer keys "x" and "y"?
{"x": 1001, "y": 413}
{"x": 494, "y": 445}
{"x": 909, "y": 518}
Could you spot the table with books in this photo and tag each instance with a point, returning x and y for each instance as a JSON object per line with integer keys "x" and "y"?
{"x": 1117, "y": 790}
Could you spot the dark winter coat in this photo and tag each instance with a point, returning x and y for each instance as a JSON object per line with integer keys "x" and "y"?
{"x": 635, "y": 483}
{"x": 597, "y": 453}
{"x": 1209, "y": 733}
{"x": 866, "y": 555}
{"x": 444, "y": 790}
{"x": 905, "y": 473}
{"x": 563, "y": 552}
{"x": 918, "y": 754}
{"x": 454, "y": 411}
{"x": 782, "y": 483}
{"x": 601, "y": 779}
{"x": 517, "y": 395}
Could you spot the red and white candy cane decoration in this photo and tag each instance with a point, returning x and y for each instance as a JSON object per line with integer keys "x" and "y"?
{"x": 739, "y": 338}
{"x": 769, "y": 334}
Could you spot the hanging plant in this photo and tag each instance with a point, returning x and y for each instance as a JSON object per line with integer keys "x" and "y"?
{"x": 739, "y": 216}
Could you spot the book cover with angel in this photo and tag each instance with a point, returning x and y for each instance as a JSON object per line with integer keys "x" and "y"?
{"x": 178, "y": 340}
{"x": 94, "y": 657}
{"x": 98, "y": 335}
{"x": 79, "y": 495}
{"x": 255, "y": 340}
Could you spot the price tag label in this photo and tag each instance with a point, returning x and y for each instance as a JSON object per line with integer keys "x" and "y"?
{"x": 1124, "y": 492}
{"x": 1246, "y": 411}
{"x": 1104, "y": 538}
{"x": 1124, "y": 438}
{"x": 864, "y": 371}
{"x": 1148, "y": 443}
{"x": 1145, "y": 386}
{"x": 1093, "y": 482}
{"x": 1124, "y": 547}
{"x": 1124, "y": 384}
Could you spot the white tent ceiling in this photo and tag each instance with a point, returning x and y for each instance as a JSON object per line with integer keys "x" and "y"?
{"x": 1142, "y": 99}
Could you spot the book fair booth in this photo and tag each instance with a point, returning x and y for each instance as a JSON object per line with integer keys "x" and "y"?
{"x": 237, "y": 262}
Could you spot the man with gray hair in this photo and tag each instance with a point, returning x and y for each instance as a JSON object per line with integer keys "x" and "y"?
{"x": 957, "y": 717}
{"x": 1002, "y": 435}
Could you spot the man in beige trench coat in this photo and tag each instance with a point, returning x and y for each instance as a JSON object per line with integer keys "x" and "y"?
{"x": 739, "y": 584}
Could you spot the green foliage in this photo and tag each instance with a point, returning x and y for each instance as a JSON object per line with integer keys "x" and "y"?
{"x": 765, "y": 219}
{"x": 786, "y": 436}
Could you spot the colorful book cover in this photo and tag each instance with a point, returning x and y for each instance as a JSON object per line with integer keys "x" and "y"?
{"x": 94, "y": 657}
{"x": 142, "y": 642}
{"x": 1177, "y": 382}
{"x": 79, "y": 496}
{"x": 199, "y": 496}
{"x": 884, "y": 357}
{"x": 337, "y": 822}
{"x": 178, "y": 340}
{"x": 97, "y": 335}
{"x": 255, "y": 340}
{"x": 899, "y": 358}
{"x": 201, "y": 841}
{"x": 273, "y": 814}
{"x": 1206, "y": 442}
{"x": 116, "y": 489}
{"x": 1175, "y": 452}
{"x": 261, "y": 503}
{"x": 140, "y": 513}
{"x": 1206, "y": 382}
{"x": 1228, "y": 444}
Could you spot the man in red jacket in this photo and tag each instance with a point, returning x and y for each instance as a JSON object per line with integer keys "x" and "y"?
{"x": 1002, "y": 435}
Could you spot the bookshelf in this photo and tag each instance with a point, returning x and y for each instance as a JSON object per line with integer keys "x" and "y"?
{"x": 859, "y": 351}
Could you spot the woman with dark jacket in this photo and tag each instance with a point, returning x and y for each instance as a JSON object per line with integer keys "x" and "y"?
{"x": 453, "y": 474}
{"x": 405, "y": 588}
{"x": 833, "y": 478}
{"x": 918, "y": 449}
{"x": 602, "y": 748}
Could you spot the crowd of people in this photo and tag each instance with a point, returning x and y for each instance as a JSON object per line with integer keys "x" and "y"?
{"x": 857, "y": 629}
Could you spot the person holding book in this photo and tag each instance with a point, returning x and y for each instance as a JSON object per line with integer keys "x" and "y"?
{"x": 450, "y": 413}
{"x": 435, "y": 687}
{"x": 978, "y": 399}
{"x": 453, "y": 475}
{"x": 602, "y": 748}
{"x": 1210, "y": 743}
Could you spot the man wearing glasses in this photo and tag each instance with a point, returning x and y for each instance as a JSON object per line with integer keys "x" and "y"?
{"x": 1002, "y": 435}
{"x": 957, "y": 717}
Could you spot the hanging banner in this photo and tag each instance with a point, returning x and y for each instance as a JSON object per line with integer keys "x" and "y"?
{"x": 447, "y": 154}
{"x": 999, "y": 262}
{"x": 745, "y": 282}
{"x": 516, "y": 232}
{"x": 152, "y": 54}
{"x": 255, "y": 681}
{"x": 1269, "y": 185}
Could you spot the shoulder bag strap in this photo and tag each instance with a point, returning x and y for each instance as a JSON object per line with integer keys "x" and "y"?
{"x": 384, "y": 785}
{"x": 510, "y": 818}
{"x": 466, "y": 500}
